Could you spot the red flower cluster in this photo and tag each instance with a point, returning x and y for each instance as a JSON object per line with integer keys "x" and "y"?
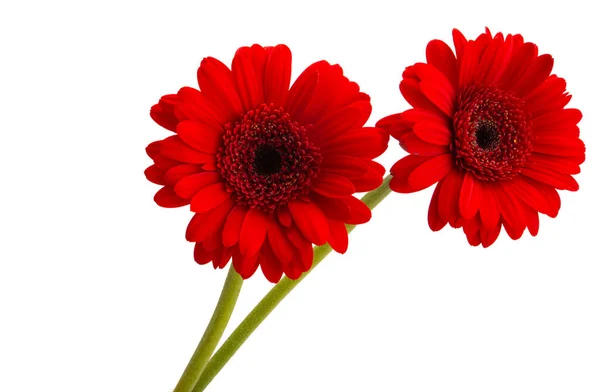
{"x": 489, "y": 126}
{"x": 269, "y": 170}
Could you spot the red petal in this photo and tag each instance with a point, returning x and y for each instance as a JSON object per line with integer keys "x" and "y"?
{"x": 278, "y": 74}
{"x": 566, "y": 165}
{"x": 488, "y": 237}
{"x": 440, "y": 56}
{"x": 448, "y": 197}
{"x": 401, "y": 170}
{"x": 555, "y": 179}
{"x": 434, "y": 219}
{"x": 233, "y": 225}
{"x": 297, "y": 239}
{"x": 360, "y": 212}
{"x": 270, "y": 267}
{"x": 216, "y": 83}
{"x": 344, "y": 165}
{"x": 310, "y": 221}
{"x": 332, "y": 185}
{"x": 532, "y": 196}
{"x": 410, "y": 88}
{"x": 210, "y": 166}
{"x": 556, "y": 120}
{"x": 433, "y": 132}
{"x": 490, "y": 62}
{"x": 174, "y": 148}
{"x": 176, "y": 173}
{"x": 364, "y": 143}
{"x": 324, "y": 103}
{"x": 303, "y": 89}
{"x": 459, "y": 44}
{"x": 211, "y": 242}
{"x": 566, "y": 146}
{"x": 470, "y": 196}
{"x": 304, "y": 254}
{"x": 249, "y": 88}
{"x": 293, "y": 270}
{"x": 532, "y": 220}
{"x": 155, "y": 175}
{"x": 549, "y": 192}
{"x": 200, "y": 136}
{"x": 512, "y": 213}
{"x": 468, "y": 64}
{"x": 472, "y": 232}
{"x": 163, "y": 112}
{"x": 538, "y": 71}
{"x": 284, "y": 216}
{"x": 411, "y": 143}
{"x": 419, "y": 115}
{"x": 335, "y": 209}
{"x": 201, "y": 256}
{"x": 548, "y": 97}
{"x": 205, "y": 225}
{"x": 194, "y": 105}
{"x": 442, "y": 98}
{"x": 338, "y": 236}
{"x": 430, "y": 172}
{"x": 188, "y": 186}
{"x": 518, "y": 65}
{"x": 329, "y": 127}
{"x": 279, "y": 242}
{"x": 209, "y": 197}
{"x": 396, "y": 125}
{"x": 488, "y": 208}
{"x": 165, "y": 197}
{"x": 222, "y": 257}
{"x": 153, "y": 149}
{"x": 165, "y": 163}
{"x": 246, "y": 266}
{"x": 254, "y": 231}
{"x": 368, "y": 181}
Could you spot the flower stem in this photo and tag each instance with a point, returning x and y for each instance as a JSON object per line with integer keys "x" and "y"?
{"x": 272, "y": 299}
{"x": 214, "y": 332}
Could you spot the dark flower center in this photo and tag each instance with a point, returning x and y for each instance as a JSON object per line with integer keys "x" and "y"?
{"x": 486, "y": 134}
{"x": 492, "y": 135}
{"x": 267, "y": 159}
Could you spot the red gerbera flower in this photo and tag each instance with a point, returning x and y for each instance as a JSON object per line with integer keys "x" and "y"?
{"x": 490, "y": 128}
{"x": 269, "y": 170}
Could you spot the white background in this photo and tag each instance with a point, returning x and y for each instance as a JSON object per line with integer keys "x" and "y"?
{"x": 98, "y": 288}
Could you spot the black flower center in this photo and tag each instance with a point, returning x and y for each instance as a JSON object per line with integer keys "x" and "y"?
{"x": 487, "y": 135}
{"x": 267, "y": 160}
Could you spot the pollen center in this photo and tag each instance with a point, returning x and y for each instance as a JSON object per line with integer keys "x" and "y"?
{"x": 492, "y": 135}
{"x": 267, "y": 159}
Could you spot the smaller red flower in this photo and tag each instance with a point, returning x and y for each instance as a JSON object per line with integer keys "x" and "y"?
{"x": 489, "y": 126}
{"x": 268, "y": 169}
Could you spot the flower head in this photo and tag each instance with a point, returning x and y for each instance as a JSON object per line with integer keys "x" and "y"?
{"x": 269, "y": 170}
{"x": 489, "y": 126}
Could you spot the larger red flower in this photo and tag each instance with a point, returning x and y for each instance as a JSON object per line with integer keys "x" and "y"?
{"x": 488, "y": 125}
{"x": 269, "y": 170}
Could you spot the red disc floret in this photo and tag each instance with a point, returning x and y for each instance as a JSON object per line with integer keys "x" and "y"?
{"x": 492, "y": 138}
{"x": 266, "y": 158}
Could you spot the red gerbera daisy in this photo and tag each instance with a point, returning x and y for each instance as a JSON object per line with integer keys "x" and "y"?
{"x": 490, "y": 128}
{"x": 269, "y": 170}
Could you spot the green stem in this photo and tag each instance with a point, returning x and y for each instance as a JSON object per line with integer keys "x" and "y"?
{"x": 272, "y": 299}
{"x": 214, "y": 332}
